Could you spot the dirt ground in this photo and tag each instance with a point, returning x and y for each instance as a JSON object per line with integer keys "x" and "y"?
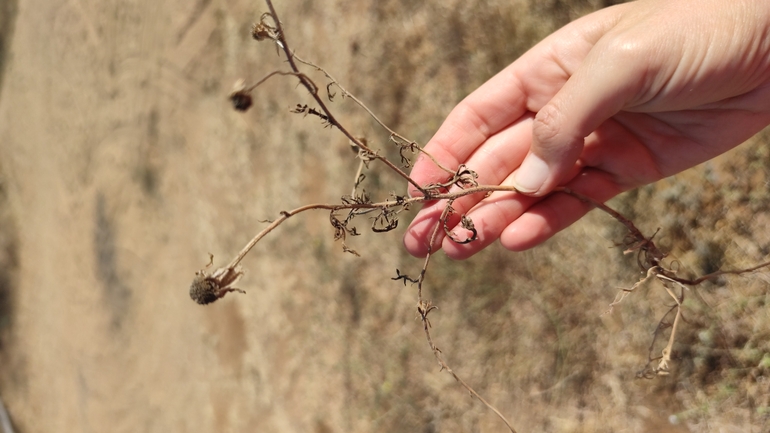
{"x": 122, "y": 166}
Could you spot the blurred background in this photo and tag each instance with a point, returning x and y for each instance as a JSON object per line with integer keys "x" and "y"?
{"x": 122, "y": 165}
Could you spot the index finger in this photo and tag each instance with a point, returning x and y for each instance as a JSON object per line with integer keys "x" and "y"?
{"x": 490, "y": 108}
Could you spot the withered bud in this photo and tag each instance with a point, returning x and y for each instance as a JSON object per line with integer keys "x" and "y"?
{"x": 206, "y": 288}
{"x": 261, "y": 31}
{"x": 240, "y": 96}
{"x": 241, "y": 100}
{"x": 203, "y": 291}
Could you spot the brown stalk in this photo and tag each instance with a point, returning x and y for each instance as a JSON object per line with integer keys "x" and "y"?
{"x": 425, "y": 307}
{"x": 313, "y": 90}
{"x": 394, "y": 136}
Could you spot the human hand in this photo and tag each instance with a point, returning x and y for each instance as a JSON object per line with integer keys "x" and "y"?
{"x": 620, "y": 98}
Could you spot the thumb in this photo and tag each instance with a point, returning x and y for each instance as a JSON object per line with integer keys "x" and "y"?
{"x": 593, "y": 94}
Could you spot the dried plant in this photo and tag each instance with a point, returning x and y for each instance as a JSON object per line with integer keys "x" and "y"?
{"x": 461, "y": 181}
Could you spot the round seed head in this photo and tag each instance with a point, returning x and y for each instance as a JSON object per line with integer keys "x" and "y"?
{"x": 203, "y": 290}
{"x": 241, "y": 100}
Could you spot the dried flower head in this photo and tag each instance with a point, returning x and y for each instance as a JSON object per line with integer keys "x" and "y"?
{"x": 240, "y": 96}
{"x": 206, "y": 288}
{"x": 262, "y": 30}
{"x": 241, "y": 101}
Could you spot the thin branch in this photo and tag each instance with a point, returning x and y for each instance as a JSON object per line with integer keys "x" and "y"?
{"x": 425, "y": 307}
{"x": 266, "y": 77}
{"x": 313, "y": 90}
{"x": 358, "y": 178}
{"x": 653, "y": 271}
{"x": 347, "y": 94}
{"x": 394, "y": 136}
{"x": 716, "y": 274}
{"x": 288, "y": 214}
{"x": 663, "y": 368}
{"x": 404, "y": 201}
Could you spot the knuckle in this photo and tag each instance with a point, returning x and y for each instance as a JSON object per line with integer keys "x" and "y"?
{"x": 625, "y": 50}
{"x": 547, "y": 124}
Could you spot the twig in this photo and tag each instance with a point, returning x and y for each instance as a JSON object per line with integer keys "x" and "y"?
{"x": 649, "y": 259}
{"x": 394, "y": 136}
{"x": 646, "y": 245}
{"x": 663, "y": 369}
{"x": 313, "y": 90}
{"x": 425, "y": 307}
{"x": 390, "y": 203}
{"x": 716, "y": 274}
{"x": 653, "y": 271}
{"x": 331, "y": 207}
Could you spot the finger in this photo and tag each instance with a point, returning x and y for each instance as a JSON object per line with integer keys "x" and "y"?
{"x": 485, "y": 112}
{"x": 418, "y": 235}
{"x": 610, "y": 76}
{"x": 558, "y": 211}
{"x": 493, "y": 161}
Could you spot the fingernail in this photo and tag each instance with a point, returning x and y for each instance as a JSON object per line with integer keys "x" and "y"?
{"x": 529, "y": 178}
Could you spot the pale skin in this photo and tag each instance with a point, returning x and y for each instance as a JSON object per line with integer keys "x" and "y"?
{"x": 620, "y": 98}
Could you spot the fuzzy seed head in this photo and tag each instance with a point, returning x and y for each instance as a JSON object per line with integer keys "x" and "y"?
{"x": 241, "y": 100}
{"x": 203, "y": 290}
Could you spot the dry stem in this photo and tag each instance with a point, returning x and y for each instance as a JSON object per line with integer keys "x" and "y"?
{"x": 425, "y": 307}
{"x": 313, "y": 90}
{"x": 397, "y": 138}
